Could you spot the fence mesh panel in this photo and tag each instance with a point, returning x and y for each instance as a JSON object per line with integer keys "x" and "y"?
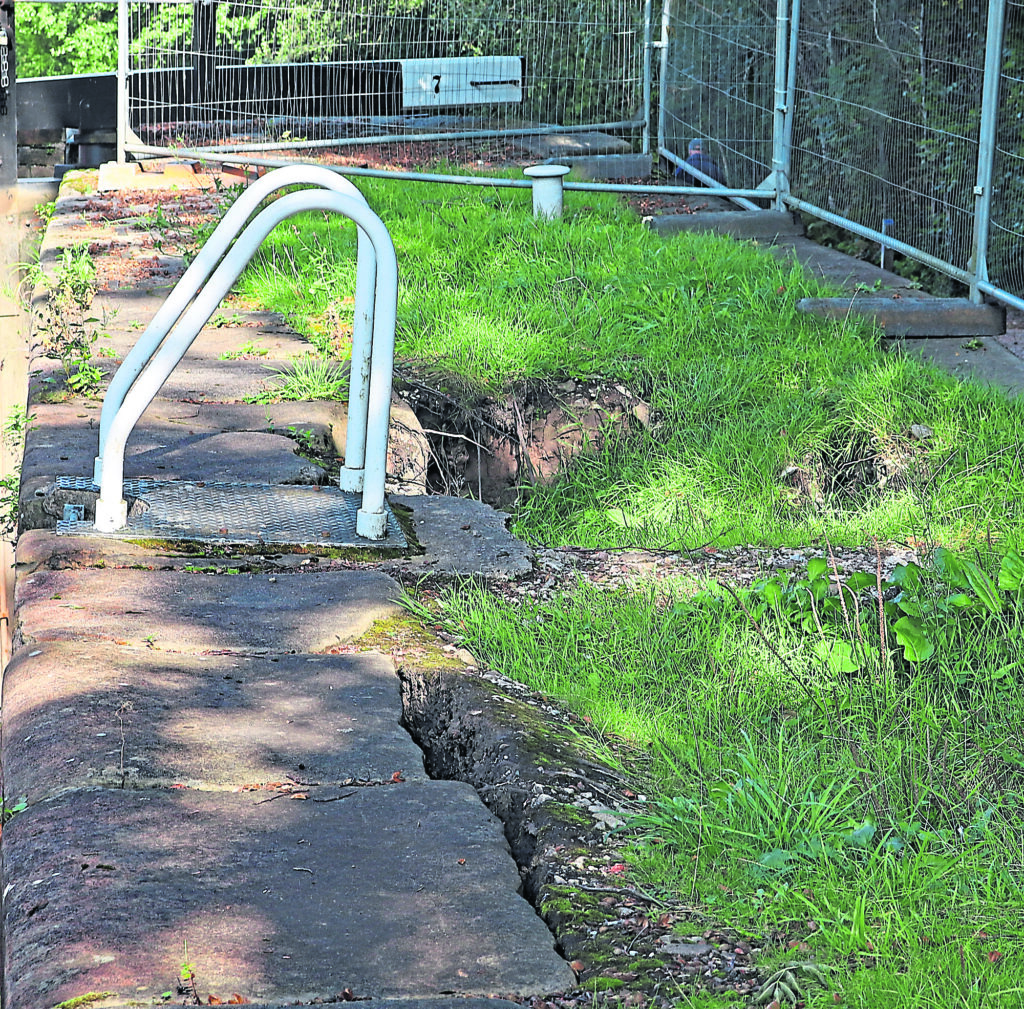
{"x": 283, "y": 72}
{"x": 887, "y": 117}
{"x": 718, "y": 84}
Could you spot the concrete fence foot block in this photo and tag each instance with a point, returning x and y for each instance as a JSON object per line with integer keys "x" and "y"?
{"x": 764, "y": 225}
{"x": 898, "y": 316}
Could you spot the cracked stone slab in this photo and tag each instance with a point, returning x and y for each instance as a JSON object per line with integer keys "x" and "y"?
{"x": 190, "y": 612}
{"x": 402, "y": 891}
{"x": 80, "y": 715}
{"x": 176, "y": 441}
{"x": 228, "y": 442}
{"x": 64, "y": 437}
{"x": 460, "y": 537}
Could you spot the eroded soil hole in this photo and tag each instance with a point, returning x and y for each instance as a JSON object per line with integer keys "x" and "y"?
{"x": 855, "y": 465}
{"x": 493, "y": 448}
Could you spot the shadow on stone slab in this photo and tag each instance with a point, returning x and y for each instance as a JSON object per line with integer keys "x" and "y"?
{"x": 190, "y": 612}
{"x": 404, "y": 891}
{"x": 81, "y": 715}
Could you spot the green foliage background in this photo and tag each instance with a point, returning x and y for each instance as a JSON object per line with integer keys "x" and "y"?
{"x": 72, "y": 38}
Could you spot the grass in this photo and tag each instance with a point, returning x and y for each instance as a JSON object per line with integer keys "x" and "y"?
{"x": 743, "y": 386}
{"x": 813, "y": 779}
{"x": 306, "y": 378}
{"x": 873, "y": 821}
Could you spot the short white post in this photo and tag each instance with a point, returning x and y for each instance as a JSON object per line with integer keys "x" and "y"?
{"x": 547, "y": 189}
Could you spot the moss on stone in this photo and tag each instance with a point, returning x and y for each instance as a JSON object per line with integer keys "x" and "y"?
{"x": 598, "y": 984}
{"x": 421, "y": 650}
{"x": 573, "y": 814}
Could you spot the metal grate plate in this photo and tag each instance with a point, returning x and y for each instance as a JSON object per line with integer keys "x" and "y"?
{"x": 234, "y": 513}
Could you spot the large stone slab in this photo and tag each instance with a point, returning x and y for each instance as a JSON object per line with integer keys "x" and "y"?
{"x": 554, "y": 145}
{"x": 606, "y": 166}
{"x": 985, "y": 360}
{"x": 200, "y": 441}
{"x": 124, "y": 313}
{"x": 194, "y": 380}
{"x": 190, "y": 612}
{"x": 406, "y": 890}
{"x": 846, "y": 271}
{"x": 177, "y": 441}
{"x": 64, "y": 437}
{"x": 78, "y": 715}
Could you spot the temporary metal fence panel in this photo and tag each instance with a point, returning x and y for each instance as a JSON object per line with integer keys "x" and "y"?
{"x": 1004, "y": 262}
{"x": 895, "y": 117}
{"x": 717, "y": 85}
{"x": 886, "y": 119}
{"x": 460, "y": 79}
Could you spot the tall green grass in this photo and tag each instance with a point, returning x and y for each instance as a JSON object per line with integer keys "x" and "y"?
{"x": 876, "y": 818}
{"x": 742, "y": 385}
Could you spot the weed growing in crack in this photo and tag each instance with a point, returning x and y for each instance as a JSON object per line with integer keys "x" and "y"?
{"x": 308, "y": 378}
{"x": 13, "y": 438}
{"x": 67, "y": 338}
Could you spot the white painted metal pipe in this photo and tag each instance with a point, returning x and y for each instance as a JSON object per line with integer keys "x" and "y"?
{"x": 111, "y": 509}
{"x": 201, "y": 268}
{"x": 547, "y": 189}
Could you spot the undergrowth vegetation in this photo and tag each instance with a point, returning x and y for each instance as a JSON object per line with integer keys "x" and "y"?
{"x": 866, "y": 813}
{"x": 834, "y": 762}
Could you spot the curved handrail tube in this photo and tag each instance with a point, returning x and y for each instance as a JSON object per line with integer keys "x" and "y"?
{"x": 111, "y": 508}
{"x": 204, "y": 264}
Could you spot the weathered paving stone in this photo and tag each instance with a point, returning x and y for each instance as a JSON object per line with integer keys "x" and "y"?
{"x": 460, "y": 536}
{"x": 194, "y": 380}
{"x": 190, "y": 612}
{"x": 398, "y": 891}
{"x": 80, "y": 715}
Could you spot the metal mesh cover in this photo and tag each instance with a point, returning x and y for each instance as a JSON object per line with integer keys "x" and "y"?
{"x": 236, "y": 513}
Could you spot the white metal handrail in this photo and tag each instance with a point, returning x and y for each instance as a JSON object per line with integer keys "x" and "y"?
{"x": 371, "y": 519}
{"x": 351, "y": 478}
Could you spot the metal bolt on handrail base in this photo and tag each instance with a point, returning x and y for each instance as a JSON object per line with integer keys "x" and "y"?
{"x": 162, "y": 352}
{"x": 170, "y": 312}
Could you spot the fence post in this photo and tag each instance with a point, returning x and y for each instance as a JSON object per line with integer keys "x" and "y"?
{"x": 666, "y": 15}
{"x": 122, "y": 79}
{"x": 787, "y": 135}
{"x": 8, "y": 98}
{"x": 204, "y": 46}
{"x": 779, "y": 152}
{"x": 646, "y": 136}
{"x": 987, "y": 144}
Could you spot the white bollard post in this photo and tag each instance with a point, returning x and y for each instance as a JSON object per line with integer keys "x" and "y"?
{"x": 547, "y": 189}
